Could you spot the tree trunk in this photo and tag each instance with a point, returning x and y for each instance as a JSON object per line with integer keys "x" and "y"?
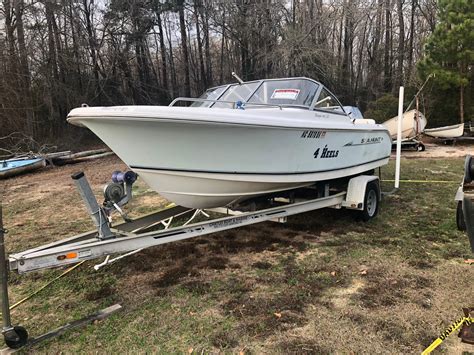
{"x": 10, "y": 32}
{"x": 374, "y": 61}
{"x": 92, "y": 43}
{"x": 203, "y": 84}
{"x": 410, "y": 43}
{"x": 359, "y": 64}
{"x": 387, "y": 64}
{"x": 174, "y": 84}
{"x": 339, "y": 48}
{"x": 346, "y": 71}
{"x": 221, "y": 62}
{"x": 207, "y": 46}
{"x": 164, "y": 69}
{"x": 244, "y": 41}
{"x": 24, "y": 71}
{"x": 59, "y": 51}
{"x": 75, "y": 47}
{"x": 401, "y": 44}
{"x": 184, "y": 48}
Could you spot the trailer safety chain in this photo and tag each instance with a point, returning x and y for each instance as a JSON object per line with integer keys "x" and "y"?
{"x": 450, "y": 330}
{"x": 23, "y": 300}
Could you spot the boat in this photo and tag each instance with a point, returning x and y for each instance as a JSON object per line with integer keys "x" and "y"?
{"x": 413, "y": 124}
{"x": 12, "y": 167}
{"x": 453, "y": 131}
{"x": 239, "y": 141}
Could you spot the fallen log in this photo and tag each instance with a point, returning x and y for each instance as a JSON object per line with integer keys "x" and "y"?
{"x": 74, "y": 159}
{"x": 55, "y": 154}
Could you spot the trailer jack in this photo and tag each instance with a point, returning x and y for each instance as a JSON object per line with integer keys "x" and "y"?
{"x": 15, "y": 336}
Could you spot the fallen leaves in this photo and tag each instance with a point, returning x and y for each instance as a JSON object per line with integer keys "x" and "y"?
{"x": 363, "y": 270}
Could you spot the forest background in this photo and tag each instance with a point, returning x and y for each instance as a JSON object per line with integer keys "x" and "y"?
{"x": 58, "y": 54}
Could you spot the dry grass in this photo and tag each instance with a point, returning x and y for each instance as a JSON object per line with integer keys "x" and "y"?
{"x": 322, "y": 283}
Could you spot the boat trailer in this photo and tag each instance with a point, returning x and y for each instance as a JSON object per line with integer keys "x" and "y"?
{"x": 410, "y": 144}
{"x": 361, "y": 193}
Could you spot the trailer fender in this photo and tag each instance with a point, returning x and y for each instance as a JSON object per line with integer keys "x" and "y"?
{"x": 356, "y": 191}
{"x": 459, "y": 194}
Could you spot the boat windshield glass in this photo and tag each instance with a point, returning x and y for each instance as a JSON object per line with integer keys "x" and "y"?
{"x": 211, "y": 94}
{"x": 289, "y": 92}
{"x": 327, "y": 101}
{"x": 237, "y": 92}
{"x": 298, "y": 92}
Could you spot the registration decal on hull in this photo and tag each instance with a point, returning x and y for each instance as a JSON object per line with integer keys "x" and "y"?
{"x": 313, "y": 134}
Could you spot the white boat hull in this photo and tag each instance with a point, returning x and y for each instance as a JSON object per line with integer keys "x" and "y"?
{"x": 411, "y": 125}
{"x": 215, "y": 157}
{"x": 192, "y": 189}
{"x": 453, "y": 131}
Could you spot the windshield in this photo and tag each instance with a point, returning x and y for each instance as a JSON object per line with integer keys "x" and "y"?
{"x": 237, "y": 92}
{"x": 328, "y": 102}
{"x": 286, "y": 92}
{"x": 211, "y": 94}
{"x": 299, "y": 92}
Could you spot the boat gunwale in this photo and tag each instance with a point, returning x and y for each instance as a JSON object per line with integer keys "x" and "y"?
{"x": 361, "y": 127}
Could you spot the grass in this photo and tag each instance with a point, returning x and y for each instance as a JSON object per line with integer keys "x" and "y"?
{"x": 322, "y": 283}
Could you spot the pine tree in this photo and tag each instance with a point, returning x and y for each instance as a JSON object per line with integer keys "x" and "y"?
{"x": 450, "y": 49}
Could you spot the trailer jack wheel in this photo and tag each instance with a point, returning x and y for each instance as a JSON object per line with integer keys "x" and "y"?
{"x": 16, "y": 337}
{"x": 371, "y": 202}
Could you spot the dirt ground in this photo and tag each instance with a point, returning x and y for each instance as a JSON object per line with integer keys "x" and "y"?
{"x": 321, "y": 283}
{"x": 437, "y": 149}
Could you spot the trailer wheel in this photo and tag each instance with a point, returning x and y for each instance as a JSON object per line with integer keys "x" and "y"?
{"x": 371, "y": 202}
{"x": 17, "y": 338}
{"x": 460, "y": 223}
{"x": 420, "y": 147}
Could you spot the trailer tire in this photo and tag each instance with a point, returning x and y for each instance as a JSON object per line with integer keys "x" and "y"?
{"x": 460, "y": 223}
{"x": 371, "y": 202}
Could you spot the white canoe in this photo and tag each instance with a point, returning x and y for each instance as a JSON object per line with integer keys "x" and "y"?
{"x": 453, "y": 131}
{"x": 414, "y": 122}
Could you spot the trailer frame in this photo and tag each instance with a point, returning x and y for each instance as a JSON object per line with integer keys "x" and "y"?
{"x": 361, "y": 193}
